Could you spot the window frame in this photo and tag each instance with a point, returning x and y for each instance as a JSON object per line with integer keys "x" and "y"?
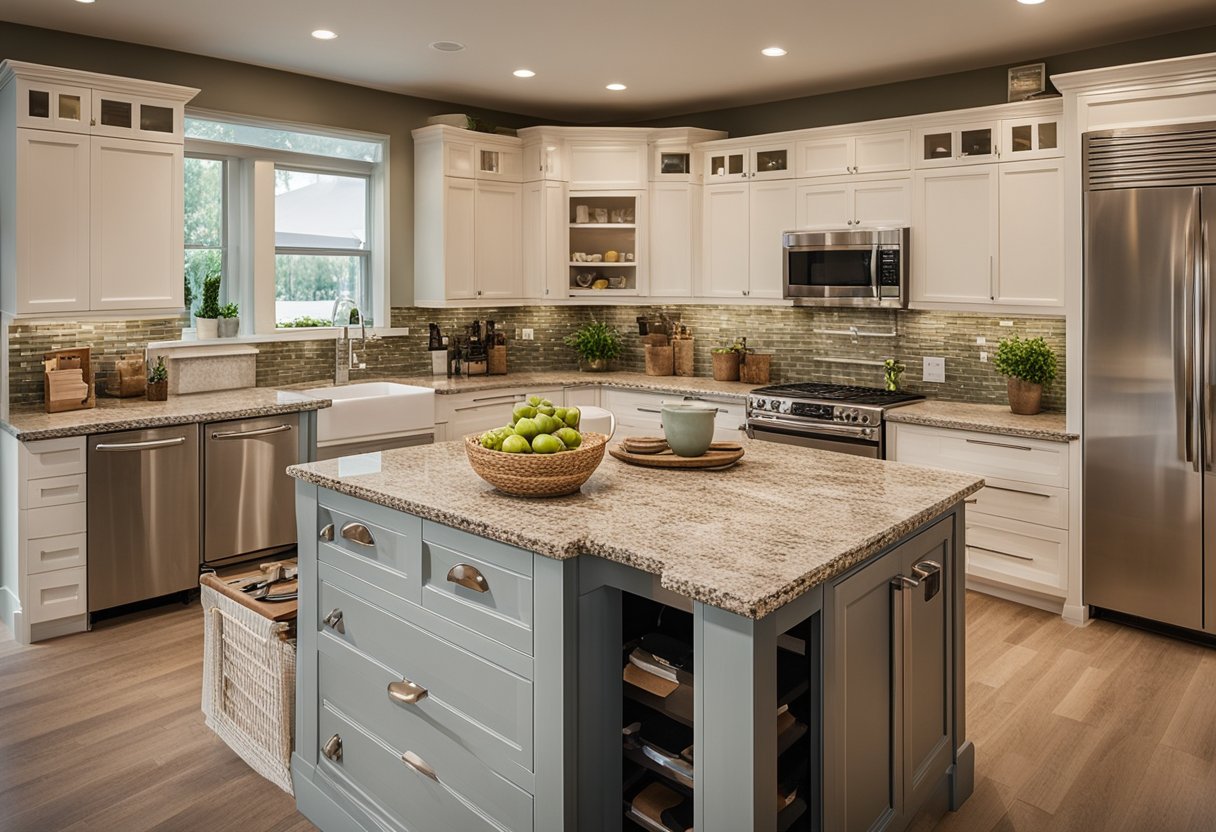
{"x": 225, "y": 247}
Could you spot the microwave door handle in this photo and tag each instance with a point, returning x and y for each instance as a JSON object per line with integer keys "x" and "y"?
{"x": 874, "y": 270}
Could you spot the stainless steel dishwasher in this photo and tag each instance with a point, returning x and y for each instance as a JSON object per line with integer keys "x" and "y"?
{"x": 249, "y": 506}
{"x": 143, "y": 514}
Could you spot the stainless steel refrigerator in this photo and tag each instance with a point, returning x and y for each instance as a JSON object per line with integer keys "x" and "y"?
{"x": 1148, "y": 431}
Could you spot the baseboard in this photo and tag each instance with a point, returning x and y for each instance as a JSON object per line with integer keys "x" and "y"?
{"x": 1077, "y": 614}
{"x": 10, "y": 605}
{"x": 1018, "y": 596}
{"x": 59, "y": 627}
{"x": 962, "y": 775}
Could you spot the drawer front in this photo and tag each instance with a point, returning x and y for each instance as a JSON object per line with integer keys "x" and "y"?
{"x": 1045, "y": 505}
{"x": 985, "y": 454}
{"x": 58, "y": 594}
{"x": 53, "y": 457}
{"x": 47, "y": 554}
{"x": 422, "y": 804}
{"x": 495, "y": 598}
{"x": 484, "y": 706}
{"x": 53, "y": 491}
{"x": 370, "y": 551}
{"x": 53, "y": 521}
{"x": 1020, "y": 554}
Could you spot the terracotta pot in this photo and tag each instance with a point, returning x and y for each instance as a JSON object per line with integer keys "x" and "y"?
{"x": 1025, "y": 398}
{"x": 726, "y": 366}
{"x": 158, "y": 391}
{"x": 594, "y": 365}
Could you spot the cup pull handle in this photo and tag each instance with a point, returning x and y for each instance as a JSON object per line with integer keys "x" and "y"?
{"x": 334, "y": 620}
{"x": 333, "y": 748}
{"x": 327, "y": 533}
{"x": 469, "y": 577}
{"x": 406, "y": 692}
{"x": 358, "y": 533}
{"x": 419, "y": 765}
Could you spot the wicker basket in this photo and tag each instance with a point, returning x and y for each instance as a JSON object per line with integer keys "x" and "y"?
{"x": 249, "y": 685}
{"x": 537, "y": 475}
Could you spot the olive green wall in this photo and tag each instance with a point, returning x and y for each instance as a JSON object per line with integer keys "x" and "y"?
{"x": 251, "y": 90}
{"x": 975, "y": 88}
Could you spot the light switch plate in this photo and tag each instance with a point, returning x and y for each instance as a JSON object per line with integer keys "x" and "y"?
{"x": 934, "y": 369}
{"x": 528, "y": 334}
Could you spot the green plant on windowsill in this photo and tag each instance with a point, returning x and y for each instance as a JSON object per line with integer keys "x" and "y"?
{"x": 596, "y": 343}
{"x": 229, "y": 310}
{"x": 209, "y": 309}
{"x": 302, "y": 322}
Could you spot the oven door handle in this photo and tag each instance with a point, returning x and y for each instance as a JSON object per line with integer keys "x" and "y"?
{"x": 859, "y": 432}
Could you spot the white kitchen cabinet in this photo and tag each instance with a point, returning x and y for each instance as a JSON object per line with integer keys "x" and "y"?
{"x": 498, "y": 239}
{"x": 469, "y": 158}
{"x": 675, "y": 235}
{"x": 880, "y": 202}
{"x": 771, "y": 214}
{"x": 1031, "y": 138}
{"x": 772, "y": 161}
{"x": 135, "y": 115}
{"x": 545, "y": 235}
{"x": 136, "y": 242}
{"x": 955, "y": 235}
{"x": 459, "y": 214}
{"x": 759, "y": 162}
{"x": 459, "y": 414}
{"x": 607, "y": 165}
{"x": 542, "y": 159}
{"x": 725, "y": 165}
{"x": 726, "y": 240}
{"x": 839, "y": 155}
{"x": 1030, "y": 271}
{"x": 48, "y": 105}
{"x": 639, "y": 413}
{"x": 959, "y": 144}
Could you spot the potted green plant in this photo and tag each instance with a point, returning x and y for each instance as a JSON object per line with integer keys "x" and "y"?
{"x": 230, "y": 320}
{"x": 158, "y": 381}
{"x": 726, "y": 361}
{"x": 1030, "y": 365}
{"x": 206, "y": 317}
{"x": 596, "y": 343}
{"x": 891, "y": 371}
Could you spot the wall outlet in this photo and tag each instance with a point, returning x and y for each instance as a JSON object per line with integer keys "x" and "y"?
{"x": 934, "y": 369}
{"x": 983, "y": 357}
{"x": 529, "y": 334}
{"x": 1006, "y": 323}
{"x": 981, "y": 340}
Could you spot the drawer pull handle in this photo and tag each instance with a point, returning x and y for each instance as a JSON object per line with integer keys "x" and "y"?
{"x": 469, "y": 577}
{"x": 406, "y": 692}
{"x": 327, "y": 533}
{"x": 358, "y": 533}
{"x": 649, "y": 410}
{"x": 1019, "y": 491}
{"x": 333, "y": 748}
{"x": 971, "y": 501}
{"x": 999, "y": 552}
{"x": 334, "y": 621}
{"x": 1000, "y": 445}
{"x": 419, "y": 765}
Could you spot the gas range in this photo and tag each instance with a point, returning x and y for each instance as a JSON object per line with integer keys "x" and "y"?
{"x": 832, "y": 416}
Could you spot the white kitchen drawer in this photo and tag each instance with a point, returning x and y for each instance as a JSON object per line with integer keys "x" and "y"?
{"x": 52, "y": 521}
{"x": 53, "y": 491}
{"x": 1019, "y": 554}
{"x": 1046, "y": 505}
{"x": 583, "y": 396}
{"x": 58, "y": 594}
{"x": 48, "y": 554}
{"x": 637, "y": 413}
{"x": 52, "y": 458}
{"x": 985, "y": 454}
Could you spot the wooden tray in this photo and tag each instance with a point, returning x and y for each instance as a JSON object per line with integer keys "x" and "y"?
{"x": 719, "y": 455}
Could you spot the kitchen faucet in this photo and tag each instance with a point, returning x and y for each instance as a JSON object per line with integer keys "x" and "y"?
{"x": 344, "y": 310}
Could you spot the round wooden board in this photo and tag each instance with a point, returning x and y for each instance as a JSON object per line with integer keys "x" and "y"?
{"x": 718, "y": 456}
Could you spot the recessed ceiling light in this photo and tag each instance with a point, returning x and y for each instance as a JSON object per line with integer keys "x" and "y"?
{"x": 86, "y": 2}
{"x": 523, "y": 73}
{"x": 616, "y": 87}
{"x": 324, "y": 34}
{"x": 447, "y": 46}
{"x": 777, "y": 51}
{"x": 1030, "y": 2}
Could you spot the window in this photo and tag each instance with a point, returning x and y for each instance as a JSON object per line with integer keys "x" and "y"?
{"x": 321, "y": 243}
{"x": 205, "y": 223}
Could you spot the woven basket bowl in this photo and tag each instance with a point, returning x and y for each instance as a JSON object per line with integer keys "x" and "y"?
{"x": 537, "y": 475}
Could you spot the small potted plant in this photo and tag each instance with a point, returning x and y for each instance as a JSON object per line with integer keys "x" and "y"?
{"x": 596, "y": 343}
{"x": 891, "y": 371}
{"x": 726, "y": 361}
{"x": 1030, "y": 365}
{"x": 206, "y": 317}
{"x": 158, "y": 381}
{"x": 229, "y": 322}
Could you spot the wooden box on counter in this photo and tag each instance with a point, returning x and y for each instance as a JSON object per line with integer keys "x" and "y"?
{"x": 60, "y": 388}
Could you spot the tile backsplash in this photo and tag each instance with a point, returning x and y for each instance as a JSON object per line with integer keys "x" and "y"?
{"x": 799, "y": 351}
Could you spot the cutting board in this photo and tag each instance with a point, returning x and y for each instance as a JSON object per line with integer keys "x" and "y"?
{"x": 719, "y": 455}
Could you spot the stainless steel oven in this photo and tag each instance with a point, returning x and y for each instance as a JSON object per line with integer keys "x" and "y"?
{"x": 853, "y": 267}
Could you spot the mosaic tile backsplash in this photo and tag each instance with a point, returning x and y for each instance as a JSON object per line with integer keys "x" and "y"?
{"x": 800, "y": 352}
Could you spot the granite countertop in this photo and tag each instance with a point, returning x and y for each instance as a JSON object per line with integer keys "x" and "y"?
{"x": 749, "y": 539}
{"x": 132, "y": 414}
{"x": 987, "y": 418}
{"x": 683, "y": 385}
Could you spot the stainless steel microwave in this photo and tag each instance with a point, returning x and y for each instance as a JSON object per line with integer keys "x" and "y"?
{"x": 853, "y": 267}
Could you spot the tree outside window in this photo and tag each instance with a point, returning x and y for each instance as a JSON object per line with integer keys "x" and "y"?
{"x": 204, "y": 222}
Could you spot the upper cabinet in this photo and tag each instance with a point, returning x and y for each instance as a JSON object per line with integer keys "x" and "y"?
{"x": 737, "y": 164}
{"x": 956, "y": 235}
{"x": 1030, "y": 270}
{"x": 869, "y": 203}
{"x": 91, "y": 184}
{"x": 959, "y": 144}
{"x": 542, "y": 159}
{"x": 742, "y": 228}
{"x": 599, "y": 165}
{"x": 1031, "y": 138}
{"x": 842, "y": 155}
{"x": 500, "y": 160}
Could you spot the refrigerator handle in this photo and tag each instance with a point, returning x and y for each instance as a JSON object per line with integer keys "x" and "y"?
{"x": 1203, "y": 277}
{"x": 1186, "y": 327}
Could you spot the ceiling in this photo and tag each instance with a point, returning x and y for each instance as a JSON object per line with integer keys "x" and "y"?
{"x": 675, "y": 56}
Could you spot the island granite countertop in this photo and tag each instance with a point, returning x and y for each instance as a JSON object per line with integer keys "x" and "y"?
{"x": 136, "y": 413}
{"x": 986, "y": 418}
{"x": 748, "y": 540}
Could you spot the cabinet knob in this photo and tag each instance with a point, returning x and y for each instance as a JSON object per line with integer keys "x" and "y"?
{"x": 334, "y": 621}
{"x": 333, "y": 748}
{"x": 469, "y": 577}
{"x": 406, "y": 692}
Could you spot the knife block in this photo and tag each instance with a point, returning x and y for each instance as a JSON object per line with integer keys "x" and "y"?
{"x": 61, "y": 400}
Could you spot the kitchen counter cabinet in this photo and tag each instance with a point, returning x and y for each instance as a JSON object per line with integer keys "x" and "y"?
{"x": 562, "y": 581}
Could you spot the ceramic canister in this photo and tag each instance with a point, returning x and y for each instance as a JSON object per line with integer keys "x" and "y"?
{"x": 688, "y": 428}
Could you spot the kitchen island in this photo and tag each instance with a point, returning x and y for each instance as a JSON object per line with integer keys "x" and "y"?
{"x": 461, "y": 651}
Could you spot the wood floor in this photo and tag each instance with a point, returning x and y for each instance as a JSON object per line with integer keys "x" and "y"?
{"x": 1099, "y": 728}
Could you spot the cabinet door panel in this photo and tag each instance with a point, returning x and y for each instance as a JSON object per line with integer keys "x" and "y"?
{"x": 459, "y": 159}
{"x": 502, "y": 163}
{"x": 772, "y": 161}
{"x": 825, "y": 157}
{"x": 823, "y": 206}
{"x": 672, "y": 223}
{"x": 498, "y": 236}
{"x": 136, "y": 239}
{"x": 1031, "y": 269}
{"x": 882, "y": 203}
{"x": 458, "y": 221}
{"x": 772, "y": 214}
{"x": 53, "y": 107}
{"x": 598, "y": 166}
{"x": 52, "y": 222}
{"x": 725, "y": 227}
{"x": 883, "y": 152}
{"x": 955, "y": 235}
{"x": 725, "y": 165}
{"x": 136, "y": 117}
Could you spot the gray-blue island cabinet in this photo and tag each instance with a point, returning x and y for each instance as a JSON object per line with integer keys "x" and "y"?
{"x": 451, "y": 679}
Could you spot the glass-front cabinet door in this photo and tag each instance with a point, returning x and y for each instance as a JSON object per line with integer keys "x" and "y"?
{"x": 957, "y": 145}
{"x": 1031, "y": 138}
{"x": 772, "y": 161}
{"x": 53, "y": 107}
{"x": 725, "y": 166}
{"x": 135, "y": 117}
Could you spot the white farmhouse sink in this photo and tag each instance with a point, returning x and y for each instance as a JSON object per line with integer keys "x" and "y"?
{"x": 373, "y": 410}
